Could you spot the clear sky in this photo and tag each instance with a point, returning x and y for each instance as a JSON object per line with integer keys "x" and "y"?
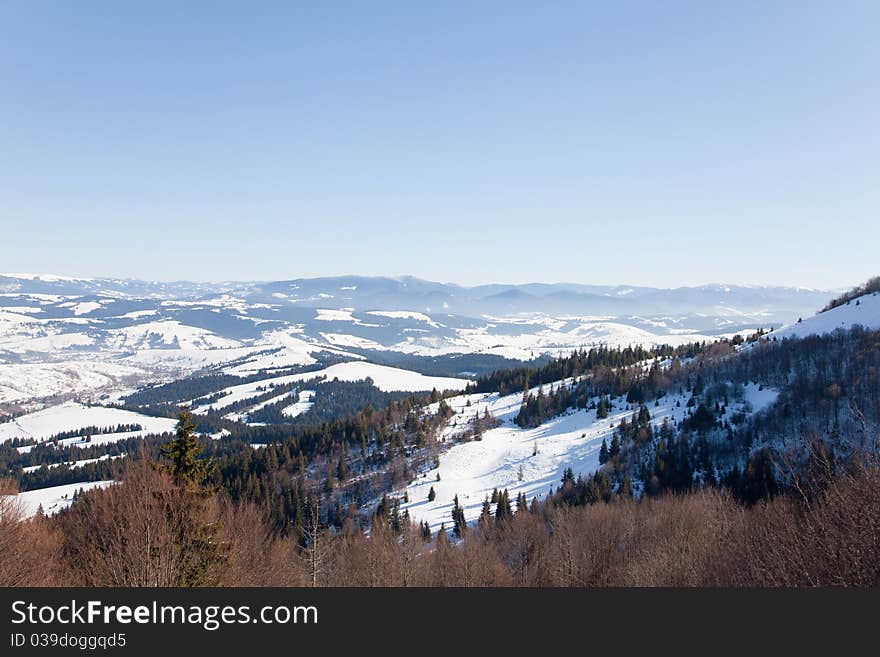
{"x": 650, "y": 143}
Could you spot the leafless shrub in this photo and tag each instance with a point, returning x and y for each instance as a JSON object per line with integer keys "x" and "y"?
{"x": 28, "y": 546}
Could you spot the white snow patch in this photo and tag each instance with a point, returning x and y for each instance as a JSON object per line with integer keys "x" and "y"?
{"x": 305, "y": 403}
{"x": 74, "y": 464}
{"x": 54, "y": 498}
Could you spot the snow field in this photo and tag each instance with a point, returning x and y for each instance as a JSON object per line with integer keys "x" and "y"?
{"x": 72, "y": 416}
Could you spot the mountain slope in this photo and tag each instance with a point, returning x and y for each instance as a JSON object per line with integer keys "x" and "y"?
{"x": 862, "y": 311}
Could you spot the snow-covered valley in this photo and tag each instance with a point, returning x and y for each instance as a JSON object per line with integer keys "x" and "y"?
{"x": 102, "y": 337}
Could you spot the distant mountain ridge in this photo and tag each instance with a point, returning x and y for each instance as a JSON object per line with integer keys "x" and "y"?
{"x": 778, "y": 304}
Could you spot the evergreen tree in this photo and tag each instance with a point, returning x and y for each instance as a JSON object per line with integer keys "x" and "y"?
{"x": 602, "y": 410}
{"x": 614, "y": 450}
{"x": 183, "y": 453}
{"x": 503, "y": 510}
{"x": 485, "y": 514}
{"x": 396, "y": 525}
{"x": 459, "y": 524}
{"x": 342, "y": 469}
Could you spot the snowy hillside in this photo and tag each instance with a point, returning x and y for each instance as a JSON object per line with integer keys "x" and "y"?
{"x": 863, "y": 311}
{"x": 55, "y": 498}
{"x": 71, "y": 416}
{"x": 529, "y": 461}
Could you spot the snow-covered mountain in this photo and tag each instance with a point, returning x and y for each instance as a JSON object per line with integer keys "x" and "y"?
{"x": 413, "y": 294}
{"x": 863, "y": 311}
{"x": 61, "y": 335}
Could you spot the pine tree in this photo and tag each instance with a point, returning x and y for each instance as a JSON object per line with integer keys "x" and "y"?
{"x": 485, "y": 514}
{"x": 603, "y": 452}
{"x": 432, "y": 495}
{"x": 183, "y": 453}
{"x": 459, "y": 524}
{"x": 503, "y": 511}
{"x": 602, "y": 410}
{"x": 614, "y": 450}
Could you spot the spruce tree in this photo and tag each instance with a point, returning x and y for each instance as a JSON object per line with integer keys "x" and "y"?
{"x": 614, "y": 450}
{"x": 204, "y": 553}
{"x": 485, "y": 514}
{"x": 459, "y": 524}
{"x": 602, "y": 410}
{"x": 502, "y": 510}
{"x": 183, "y": 453}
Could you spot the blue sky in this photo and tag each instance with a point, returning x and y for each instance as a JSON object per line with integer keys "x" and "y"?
{"x": 616, "y": 142}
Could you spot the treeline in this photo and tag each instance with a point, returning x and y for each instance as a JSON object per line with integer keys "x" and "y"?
{"x": 448, "y": 365}
{"x": 85, "y": 432}
{"x": 578, "y": 363}
{"x": 63, "y": 473}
